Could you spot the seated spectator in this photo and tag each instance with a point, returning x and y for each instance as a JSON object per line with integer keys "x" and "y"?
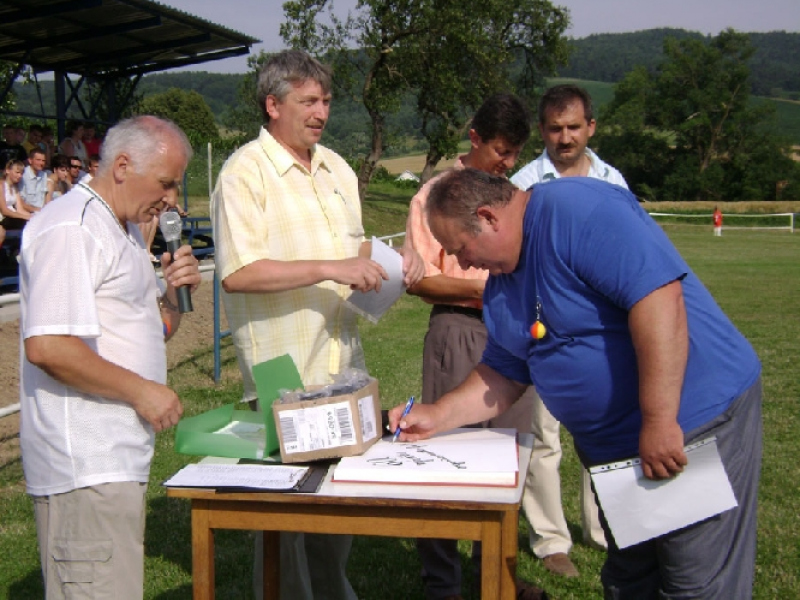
{"x": 91, "y": 168}
{"x": 10, "y": 148}
{"x": 76, "y": 171}
{"x": 72, "y": 145}
{"x": 34, "y": 182}
{"x": 34, "y": 138}
{"x": 48, "y": 144}
{"x": 58, "y": 182}
{"x": 90, "y": 141}
{"x": 13, "y": 215}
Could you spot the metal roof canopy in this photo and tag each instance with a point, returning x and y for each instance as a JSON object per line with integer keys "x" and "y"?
{"x": 105, "y": 41}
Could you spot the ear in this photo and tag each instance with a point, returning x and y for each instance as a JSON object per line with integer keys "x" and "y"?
{"x": 121, "y": 167}
{"x": 474, "y": 138}
{"x": 592, "y": 126}
{"x": 273, "y": 106}
{"x": 490, "y": 215}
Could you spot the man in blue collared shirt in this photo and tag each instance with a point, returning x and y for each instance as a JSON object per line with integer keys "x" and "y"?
{"x": 34, "y": 181}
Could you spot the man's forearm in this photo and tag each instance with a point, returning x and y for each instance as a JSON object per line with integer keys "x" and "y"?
{"x": 660, "y": 337}
{"x": 483, "y": 395}
{"x": 265, "y": 276}
{"x": 446, "y": 290}
{"x": 69, "y": 360}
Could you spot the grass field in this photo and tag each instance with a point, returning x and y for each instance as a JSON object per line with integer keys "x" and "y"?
{"x": 755, "y": 277}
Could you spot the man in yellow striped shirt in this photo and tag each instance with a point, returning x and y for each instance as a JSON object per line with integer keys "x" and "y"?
{"x": 290, "y": 248}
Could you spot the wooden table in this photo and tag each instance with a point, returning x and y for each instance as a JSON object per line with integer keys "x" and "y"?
{"x": 490, "y": 515}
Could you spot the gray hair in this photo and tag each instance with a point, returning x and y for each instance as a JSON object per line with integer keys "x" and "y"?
{"x": 283, "y": 70}
{"x": 461, "y": 192}
{"x": 138, "y": 137}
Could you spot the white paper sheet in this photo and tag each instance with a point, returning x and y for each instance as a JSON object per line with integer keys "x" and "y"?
{"x": 465, "y": 456}
{"x": 372, "y": 305}
{"x": 638, "y": 509}
{"x": 265, "y": 477}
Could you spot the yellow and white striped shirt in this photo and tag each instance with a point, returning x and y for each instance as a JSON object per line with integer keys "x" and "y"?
{"x": 266, "y": 205}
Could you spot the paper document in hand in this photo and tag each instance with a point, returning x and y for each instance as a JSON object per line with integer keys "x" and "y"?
{"x": 372, "y": 305}
{"x": 638, "y": 509}
{"x": 479, "y": 457}
{"x": 264, "y": 477}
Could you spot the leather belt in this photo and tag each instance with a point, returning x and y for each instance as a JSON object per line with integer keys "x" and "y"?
{"x": 439, "y": 309}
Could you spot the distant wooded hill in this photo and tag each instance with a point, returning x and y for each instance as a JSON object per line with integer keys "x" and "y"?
{"x": 774, "y": 68}
{"x": 600, "y": 58}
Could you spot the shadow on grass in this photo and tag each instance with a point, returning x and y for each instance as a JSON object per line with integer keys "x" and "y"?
{"x": 385, "y": 568}
{"x": 28, "y": 587}
{"x": 183, "y": 592}
{"x": 168, "y": 533}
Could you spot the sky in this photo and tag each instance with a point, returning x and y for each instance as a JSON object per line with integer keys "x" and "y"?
{"x": 261, "y": 19}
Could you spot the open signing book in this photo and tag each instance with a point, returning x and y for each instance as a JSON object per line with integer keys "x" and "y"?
{"x": 481, "y": 457}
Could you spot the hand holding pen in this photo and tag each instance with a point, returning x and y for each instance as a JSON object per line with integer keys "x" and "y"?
{"x": 406, "y": 410}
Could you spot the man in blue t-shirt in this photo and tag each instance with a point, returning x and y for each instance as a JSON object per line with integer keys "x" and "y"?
{"x": 590, "y": 301}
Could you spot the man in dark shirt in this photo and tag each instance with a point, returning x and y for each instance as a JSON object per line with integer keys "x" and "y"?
{"x": 10, "y": 148}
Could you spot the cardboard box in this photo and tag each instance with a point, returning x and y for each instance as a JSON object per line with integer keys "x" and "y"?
{"x": 331, "y": 427}
{"x": 254, "y": 434}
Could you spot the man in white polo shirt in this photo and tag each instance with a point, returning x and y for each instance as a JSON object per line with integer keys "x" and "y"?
{"x": 94, "y": 319}
{"x": 566, "y": 123}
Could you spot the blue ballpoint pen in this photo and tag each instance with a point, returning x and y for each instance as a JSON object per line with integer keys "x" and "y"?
{"x": 406, "y": 410}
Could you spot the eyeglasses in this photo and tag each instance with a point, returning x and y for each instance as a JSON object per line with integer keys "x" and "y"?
{"x": 74, "y": 166}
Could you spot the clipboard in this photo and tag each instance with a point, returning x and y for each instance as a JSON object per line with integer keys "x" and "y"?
{"x": 198, "y": 476}
{"x": 309, "y": 484}
{"x": 638, "y": 509}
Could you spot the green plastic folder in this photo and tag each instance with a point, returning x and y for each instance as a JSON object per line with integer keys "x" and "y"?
{"x": 196, "y": 435}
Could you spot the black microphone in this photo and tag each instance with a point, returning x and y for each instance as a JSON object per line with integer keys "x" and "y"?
{"x": 170, "y": 224}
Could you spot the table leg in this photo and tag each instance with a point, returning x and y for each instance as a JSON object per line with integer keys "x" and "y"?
{"x": 272, "y": 565}
{"x": 490, "y": 562}
{"x": 202, "y": 551}
{"x": 509, "y": 546}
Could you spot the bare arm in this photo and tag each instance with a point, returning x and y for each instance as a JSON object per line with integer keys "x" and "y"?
{"x": 444, "y": 289}
{"x": 661, "y": 339}
{"x": 69, "y": 360}
{"x": 20, "y": 213}
{"x": 51, "y": 186}
{"x": 265, "y": 276}
{"x": 484, "y": 394}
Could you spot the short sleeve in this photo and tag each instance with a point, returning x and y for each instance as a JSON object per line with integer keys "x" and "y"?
{"x": 622, "y": 254}
{"x": 64, "y": 265}
{"x": 238, "y": 214}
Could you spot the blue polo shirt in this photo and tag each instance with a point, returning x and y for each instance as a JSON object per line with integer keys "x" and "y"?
{"x": 589, "y": 253}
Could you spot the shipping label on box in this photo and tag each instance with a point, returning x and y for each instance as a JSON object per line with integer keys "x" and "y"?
{"x": 331, "y": 427}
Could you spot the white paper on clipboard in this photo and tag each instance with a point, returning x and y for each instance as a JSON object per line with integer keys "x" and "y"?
{"x": 372, "y": 305}
{"x": 638, "y": 509}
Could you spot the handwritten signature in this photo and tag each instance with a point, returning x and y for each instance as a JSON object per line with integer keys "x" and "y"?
{"x": 422, "y": 457}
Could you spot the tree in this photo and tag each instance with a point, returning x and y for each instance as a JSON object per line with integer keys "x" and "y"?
{"x": 111, "y": 100}
{"x": 245, "y": 117}
{"x": 187, "y": 109}
{"x": 447, "y": 53}
{"x": 689, "y": 131}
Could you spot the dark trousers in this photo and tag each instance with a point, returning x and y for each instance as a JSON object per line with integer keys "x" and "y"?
{"x": 712, "y": 559}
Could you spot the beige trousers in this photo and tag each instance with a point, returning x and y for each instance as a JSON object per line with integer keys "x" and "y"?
{"x": 91, "y": 542}
{"x": 541, "y": 500}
